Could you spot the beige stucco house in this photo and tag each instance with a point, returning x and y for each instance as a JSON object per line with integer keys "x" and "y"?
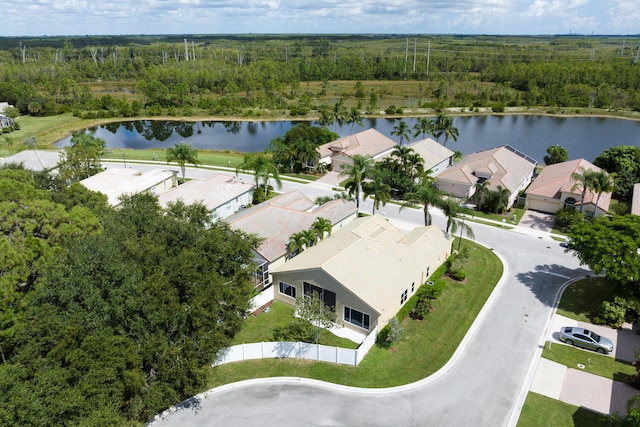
{"x": 635, "y": 200}
{"x": 552, "y": 190}
{"x": 367, "y": 270}
{"x": 368, "y": 143}
{"x": 504, "y": 166}
{"x": 117, "y": 182}
{"x": 436, "y": 156}
{"x": 275, "y": 220}
{"x": 222, "y": 194}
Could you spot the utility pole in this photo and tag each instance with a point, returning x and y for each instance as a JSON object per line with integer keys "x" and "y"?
{"x": 186, "y": 50}
{"x": 406, "y": 56}
{"x": 415, "y": 48}
{"x": 428, "y": 57}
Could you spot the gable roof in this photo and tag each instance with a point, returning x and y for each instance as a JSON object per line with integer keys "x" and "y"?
{"x": 35, "y": 160}
{"x": 431, "y": 151}
{"x": 116, "y": 182}
{"x": 504, "y": 166}
{"x": 369, "y": 142}
{"x": 275, "y": 220}
{"x": 212, "y": 192}
{"x": 384, "y": 254}
{"x": 556, "y": 179}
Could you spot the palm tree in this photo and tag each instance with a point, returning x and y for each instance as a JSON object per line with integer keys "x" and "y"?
{"x": 414, "y": 165}
{"x": 353, "y": 117}
{"x": 425, "y": 195}
{"x": 378, "y": 191}
{"x": 357, "y": 173}
{"x": 326, "y": 118}
{"x": 338, "y": 113}
{"x": 482, "y": 188}
{"x": 400, "y": 153}
{"x": 263, "y": 167}
{"x": 424, "y": 127}
{"x": 310, "y": 238}
{"x": 296, "y": 244}
{"x": 603, "y": 182}
{"x": 452, "y": 211}
{"x": 584, "y": 181}
{"x": 182, "y": 154}
{"x": 501, "y": 199}
{"x": 306, "y": 152}
{"x": 401, "y": 130}
{"x": 444, "y": 126}
{"x": 322, "y": 227}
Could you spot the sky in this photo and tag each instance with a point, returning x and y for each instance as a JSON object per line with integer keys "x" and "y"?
{"x": 497, "y": 17}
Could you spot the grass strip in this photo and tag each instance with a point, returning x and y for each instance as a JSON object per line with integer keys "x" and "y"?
{"x": 542, "y": 411}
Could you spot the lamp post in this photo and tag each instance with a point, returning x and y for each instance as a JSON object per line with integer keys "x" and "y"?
{"x": 125, "y": 161}
{"x": 460, "y": 238}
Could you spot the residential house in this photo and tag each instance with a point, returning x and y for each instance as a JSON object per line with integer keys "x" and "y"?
{"x": 504, "y": 166}
{"x": 436, "y": 156}
{"x": 553, "y": 189}
{"x": 276, "y": 219}
{"x": 367, "y": 270}
{"x": 35, "y": 160}
{"x": 117, "y": 182}
{"x": 222, "y": 194}
{"x": 368, "y": 143}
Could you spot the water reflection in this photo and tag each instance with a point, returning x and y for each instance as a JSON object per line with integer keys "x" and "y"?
{"x": 581, "y": 136}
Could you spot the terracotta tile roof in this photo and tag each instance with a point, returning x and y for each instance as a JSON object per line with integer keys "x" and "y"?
{"x": 277, "y": 219}
{"x": 369, "y": 142}
{"x": 556, "y": 179}
{"x": 502, "y": 166}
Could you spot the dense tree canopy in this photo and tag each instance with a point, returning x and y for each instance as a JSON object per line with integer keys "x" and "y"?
{"x": 624, "y": 162}
{"x": 122, "y": 323}
{"x": 610, "y": 245}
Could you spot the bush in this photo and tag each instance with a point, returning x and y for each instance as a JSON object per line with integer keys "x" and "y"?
{"x": 612, "y": 313}
{"x": 421, "y": 309}
{"x": 297, "y": 330}
{"x": 567, "y": 217}
{"x": 458, "y": 275}
{"x": 434, "y": 291}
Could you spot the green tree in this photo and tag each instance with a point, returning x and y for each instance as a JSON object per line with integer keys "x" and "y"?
{"x": 401, "y": 130}
{"x": 377, "y": 190}
{"x": 601, "y": 183}
{"x": 82, "y": 158}
{"x": 357, "y": 173}
{"x": 609, "y": 245}
{"x": 443, "y": 125}
{"x": 182, "y": 154}
{"x": 424, "y": 127}
{"x": 322, "y": 227}
{"x": 453, "y": 211}
{"x": 481, "y": 193}
{"x": 296, "y": 244}
{"x": 263, "y": 168}
{"x": 315, "y": 312}
{"x": 556, "y": 154}
{"x": 624, "y": 162}
{"x": 583, "y": 181}
{"x": 353, "y": 117}
{"x": 425, "y": 195}
{"x": 499, "y": 199}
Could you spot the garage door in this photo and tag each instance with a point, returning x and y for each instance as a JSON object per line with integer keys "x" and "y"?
{"x": 550, "y": 206}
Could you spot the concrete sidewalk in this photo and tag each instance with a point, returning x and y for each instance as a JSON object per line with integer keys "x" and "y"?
{"x": 580, "y": 388}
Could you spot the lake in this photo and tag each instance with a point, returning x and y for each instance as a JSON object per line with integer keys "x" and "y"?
{"x": 584, "y": 137}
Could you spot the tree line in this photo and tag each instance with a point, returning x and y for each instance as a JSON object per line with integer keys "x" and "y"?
{"x": 156, "y": 76}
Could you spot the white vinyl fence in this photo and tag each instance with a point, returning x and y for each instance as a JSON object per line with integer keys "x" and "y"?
{"x": 298, "y": 350}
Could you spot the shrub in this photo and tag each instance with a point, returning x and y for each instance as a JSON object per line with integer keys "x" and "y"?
{"x": 567, "y": 217}
{"x": 395, "y": 331}
{"x": 391, "y": 109}
{"x": 297, "y": 330}
{"x": 422, "y": 308}
{"x": 458, "y": 275}
{"x": 612, "y": 313}
{"x": 434, "y": 291}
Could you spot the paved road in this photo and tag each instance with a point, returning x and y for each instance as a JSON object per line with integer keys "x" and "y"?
{"x": 481, "y": 387}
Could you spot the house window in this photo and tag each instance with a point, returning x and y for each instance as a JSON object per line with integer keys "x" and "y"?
{"x": 590, "y": 214}
{"x": 413, "y": 287}
{"x": 287, "y": 289}
{"x": 356, "y": 317}
{"x": 327, "y": 297}
{"x": 427, "y": 272}
{"x": 403, "y": 297}
{"x": 569, "y": 202}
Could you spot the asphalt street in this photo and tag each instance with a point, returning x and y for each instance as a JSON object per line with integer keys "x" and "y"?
{"x": 483, "y": 384}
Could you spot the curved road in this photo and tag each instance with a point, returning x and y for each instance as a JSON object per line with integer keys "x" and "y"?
{"x": 482, "y": 384}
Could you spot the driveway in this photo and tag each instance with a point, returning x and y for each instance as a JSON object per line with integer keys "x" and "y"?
{"x": 537, "y": 221}
{"x": 575, "y": 386}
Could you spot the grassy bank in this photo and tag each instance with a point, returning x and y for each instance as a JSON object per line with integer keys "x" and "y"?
{"x": 424, "y": 348}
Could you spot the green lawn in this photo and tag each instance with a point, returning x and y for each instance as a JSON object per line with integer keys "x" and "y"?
{"x": 229, "y": 159}
{"x": 497, "y": 217}
{"x": 583, "y": 297}
{"x": 260, "y": 328}
{"x": 424, "y": 348}
{"x": 594, "y": 363}
{"x": 542, "y": 411}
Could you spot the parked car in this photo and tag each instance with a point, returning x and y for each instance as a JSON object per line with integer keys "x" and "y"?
{"x": 586, "y": 339}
